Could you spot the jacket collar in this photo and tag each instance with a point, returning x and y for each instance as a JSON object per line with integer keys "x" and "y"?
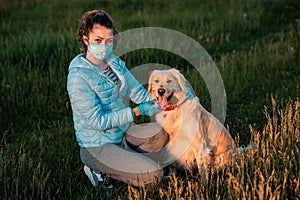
{"x": 112, "y": 62}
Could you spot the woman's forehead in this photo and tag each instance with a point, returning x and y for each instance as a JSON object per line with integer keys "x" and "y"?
{"x": 101, "y": 31}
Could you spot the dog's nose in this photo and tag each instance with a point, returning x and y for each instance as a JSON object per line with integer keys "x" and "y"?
{"x": 161, "y": 91}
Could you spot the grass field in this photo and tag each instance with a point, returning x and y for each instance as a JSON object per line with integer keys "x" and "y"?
{"x": 255, "y": 45}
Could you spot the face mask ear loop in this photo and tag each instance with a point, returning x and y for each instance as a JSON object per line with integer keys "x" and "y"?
{"x": 89, "y": 46}
{"x": 86, "y": 38}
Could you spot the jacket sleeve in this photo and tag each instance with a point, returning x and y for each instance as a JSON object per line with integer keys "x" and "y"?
{"x": 87, "y": 111}
{"x": 136, "y": 91}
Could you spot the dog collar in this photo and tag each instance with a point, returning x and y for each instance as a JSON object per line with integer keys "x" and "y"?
{"x": 172, "y": 107}
{"x": 169, "y": 108}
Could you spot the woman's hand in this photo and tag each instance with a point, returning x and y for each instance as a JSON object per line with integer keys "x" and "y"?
{"x": 148, "y": 108}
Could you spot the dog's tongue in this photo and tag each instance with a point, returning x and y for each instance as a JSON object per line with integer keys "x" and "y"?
{"x": 162, "y": 102}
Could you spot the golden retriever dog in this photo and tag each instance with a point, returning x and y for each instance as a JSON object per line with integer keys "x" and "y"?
{"x": 196, "y": 137}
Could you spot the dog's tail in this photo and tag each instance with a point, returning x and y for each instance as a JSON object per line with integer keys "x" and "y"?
{"x": 245, "y": 149}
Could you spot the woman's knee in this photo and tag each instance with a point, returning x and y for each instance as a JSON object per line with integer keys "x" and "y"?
{"x": 164, "y": 136}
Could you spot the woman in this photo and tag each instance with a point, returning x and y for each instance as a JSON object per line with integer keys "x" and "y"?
{"x": 98, "y": 82}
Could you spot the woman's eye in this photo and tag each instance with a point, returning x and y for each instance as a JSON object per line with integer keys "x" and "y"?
{"x": 156, "y": 81}
{"x": 169, "y": 81}
{"x": 109, "y": 41}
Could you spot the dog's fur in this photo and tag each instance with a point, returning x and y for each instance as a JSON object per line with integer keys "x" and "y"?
{"x": 196, "y": 137}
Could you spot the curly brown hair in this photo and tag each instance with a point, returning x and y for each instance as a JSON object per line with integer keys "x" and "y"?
{"x": 87, "y": 22}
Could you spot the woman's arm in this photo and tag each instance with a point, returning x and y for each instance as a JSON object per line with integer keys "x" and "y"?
{"x": 136, "y": 91}
{"x": 88, "y": 111}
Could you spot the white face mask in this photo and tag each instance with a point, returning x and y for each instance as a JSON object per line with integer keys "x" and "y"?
{"x": 100, "y": 52}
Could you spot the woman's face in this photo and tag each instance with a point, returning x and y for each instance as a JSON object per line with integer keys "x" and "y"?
{"x": 99, "y": 35}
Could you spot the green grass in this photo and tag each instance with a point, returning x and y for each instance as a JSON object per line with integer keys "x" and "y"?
{"x": 255, "y": 45}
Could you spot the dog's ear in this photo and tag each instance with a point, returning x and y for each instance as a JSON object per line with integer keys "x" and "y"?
{"x": 150, "y": 84}
{"x": 180, "y": 79}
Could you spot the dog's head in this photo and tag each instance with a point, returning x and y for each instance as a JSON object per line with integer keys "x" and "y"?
{"x": 168, "y": 87}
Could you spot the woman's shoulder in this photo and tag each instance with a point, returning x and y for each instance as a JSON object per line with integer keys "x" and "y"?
{"x": 80, "y": 63}
{"x": 81, "y": 67}
{"x": 77, "y": 61}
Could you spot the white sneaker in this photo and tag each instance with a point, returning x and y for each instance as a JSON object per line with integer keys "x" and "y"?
{"x": 98, "y": 174}
{"x": 94, "y": 176}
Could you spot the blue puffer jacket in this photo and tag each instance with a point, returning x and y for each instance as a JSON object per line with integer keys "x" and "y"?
{"x": 99, "y": 113}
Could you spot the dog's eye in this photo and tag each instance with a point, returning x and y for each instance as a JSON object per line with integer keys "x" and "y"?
{"x": 156, "y": 81}
{"x": 169, "y": 81}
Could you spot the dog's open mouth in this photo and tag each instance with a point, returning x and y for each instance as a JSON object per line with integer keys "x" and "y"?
{"x": 162, "y": 101}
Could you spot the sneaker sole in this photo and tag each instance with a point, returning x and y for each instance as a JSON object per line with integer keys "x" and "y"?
{"x": 92, "y": 177}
